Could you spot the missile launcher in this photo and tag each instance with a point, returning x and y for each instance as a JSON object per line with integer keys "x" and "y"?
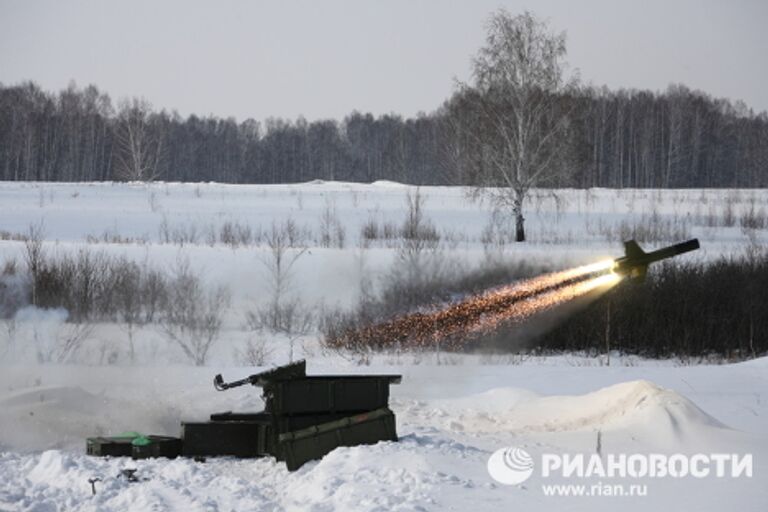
{"x": 304, "y": 418}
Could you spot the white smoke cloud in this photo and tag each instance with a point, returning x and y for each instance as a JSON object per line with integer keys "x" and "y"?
{"x": 35, "y": 335}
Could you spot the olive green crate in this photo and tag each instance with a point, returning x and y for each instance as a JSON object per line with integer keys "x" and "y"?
{"x": 312, "y": 443}
{"x": 328, "y": 394}
{"x": 158, "y": 446}
{"x": 236, "y": 438}
{"x": 109, "y": 446}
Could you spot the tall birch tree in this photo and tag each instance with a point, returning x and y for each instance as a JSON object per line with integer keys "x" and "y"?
{"x": 513, "y": 119}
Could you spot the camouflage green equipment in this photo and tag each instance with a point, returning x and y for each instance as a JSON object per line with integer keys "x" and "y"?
{"x": 295, "y": 370}
{"x": 276, "y": 425}
{"x": 304, "y": 418}
{"x": 315, "y": 442}
{"x": 236, "y": 438}
{"x": 327, "y": 410}
{"x": 150, "y": 447}
{"x": 135, "y": 445}
{"x": 287, "y": 390}
{"x": 328, "y": 394}
{"x": 117, "y": 446}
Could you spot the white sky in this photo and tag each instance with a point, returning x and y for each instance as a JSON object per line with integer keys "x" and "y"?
{"x": 326, "y": 58}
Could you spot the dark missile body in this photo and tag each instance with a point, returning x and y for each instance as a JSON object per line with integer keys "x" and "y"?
{"x": 635, "y": 261}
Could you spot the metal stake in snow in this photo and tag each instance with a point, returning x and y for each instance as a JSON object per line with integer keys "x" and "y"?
{"x": 93, "y": 481}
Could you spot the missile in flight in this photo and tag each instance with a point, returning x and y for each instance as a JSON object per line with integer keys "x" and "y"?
{"x": 634, "y": 263}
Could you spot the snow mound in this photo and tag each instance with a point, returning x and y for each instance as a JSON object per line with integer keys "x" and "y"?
{"x": 379, "y": 477}
{"x": 388, "y": 184}
{"x": 52, "y": 465}
{"x": 635, "y": 406}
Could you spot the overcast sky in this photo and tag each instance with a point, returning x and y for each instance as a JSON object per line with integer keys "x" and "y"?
{"x": 326, "y": 58}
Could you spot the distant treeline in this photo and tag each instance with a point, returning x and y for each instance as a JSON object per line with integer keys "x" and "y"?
{"x": 679, "y": 138}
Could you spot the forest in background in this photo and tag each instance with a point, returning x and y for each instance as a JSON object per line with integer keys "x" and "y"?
{"x": 678, "y": 138}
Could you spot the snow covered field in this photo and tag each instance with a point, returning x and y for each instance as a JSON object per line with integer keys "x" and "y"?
{"x": 451, "y": 417}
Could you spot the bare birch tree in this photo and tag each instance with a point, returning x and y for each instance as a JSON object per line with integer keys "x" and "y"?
{"x": 139, "y": 147}
{"x": 284, "y": 312}
{"x": 513, "y": 122}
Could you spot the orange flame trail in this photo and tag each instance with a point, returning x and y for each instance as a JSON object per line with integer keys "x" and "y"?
{"x": 456, "y": 323}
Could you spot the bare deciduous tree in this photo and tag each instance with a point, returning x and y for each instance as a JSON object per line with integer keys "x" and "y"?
{"x": 70, "y": 339}
{"x": 255, "y": 352}
{"x": 283, "y": 313}
{"x": 278, "y": 263}
{"x": 127, "y": 288}
{"x": 193, "y": 316}
{"x": 419, "y": 234}
{"x": 139, "y": 146}
{"x": 332, "y": 232}
{"x": 34, "y": 257}
{"x": 59, "y": 342}
{"x": 513, "y": 122}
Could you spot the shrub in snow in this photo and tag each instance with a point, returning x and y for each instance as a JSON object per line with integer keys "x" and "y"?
{"x": 192, "y": 315}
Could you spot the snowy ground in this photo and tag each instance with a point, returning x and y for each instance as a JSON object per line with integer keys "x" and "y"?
{"x": 451, "y": 417}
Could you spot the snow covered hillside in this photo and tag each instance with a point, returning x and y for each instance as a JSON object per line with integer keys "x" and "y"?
{"x": 451, "y": 416}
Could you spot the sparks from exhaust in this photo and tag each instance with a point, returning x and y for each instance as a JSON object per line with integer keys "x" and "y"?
{"x": 456, "y": 324}
{"x": 539, "y": 303}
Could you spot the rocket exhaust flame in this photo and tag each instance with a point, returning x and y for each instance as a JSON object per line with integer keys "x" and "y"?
{"x": 455, "y": 325}
{"x": 546, "y": 300}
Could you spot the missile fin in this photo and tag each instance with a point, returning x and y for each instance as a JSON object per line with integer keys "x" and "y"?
{"x": 632, "y": 250}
